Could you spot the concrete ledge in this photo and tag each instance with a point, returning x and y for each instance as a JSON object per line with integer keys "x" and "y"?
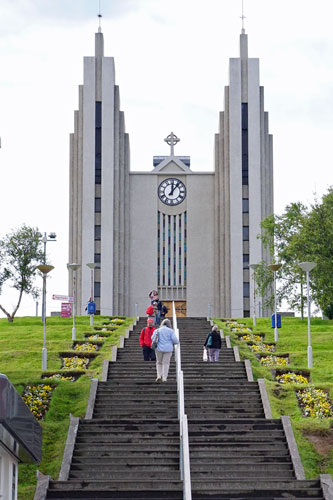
{"x": 264, "y": 398}
{"x": 222, "y": 333}
{"x": 121, "y": 342}
{"x": 295, "y": 458}
{"x": 114, "y": 353}
{"x": 227, "y": 339}
{"x": 69, "y": 448}
{"x": 127, "y": 332}
{"x": 105, "y": 370}
{"x": 236, "y": 353}
{"x": 327, "y": 486}
{"x": 91, "y": 400}
{"x": 42, "y": 486}
{"x": 248, "y": 368}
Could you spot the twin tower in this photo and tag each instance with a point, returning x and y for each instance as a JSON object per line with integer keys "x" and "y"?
{"x": 190, "y": 235}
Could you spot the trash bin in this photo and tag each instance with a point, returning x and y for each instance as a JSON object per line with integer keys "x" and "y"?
{"x": 91, "y": 307}
{"x": 278, "y": 317}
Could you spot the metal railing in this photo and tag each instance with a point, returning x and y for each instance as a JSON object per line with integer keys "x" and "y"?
{"x": 184, "y": 451}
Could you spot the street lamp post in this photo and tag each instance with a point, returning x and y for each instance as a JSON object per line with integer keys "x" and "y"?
{"x": 92, "y": 266}
{"x": 52, "y": 237}
{"x": 307, "y": 267}
{"x": 254, "y": 267}
{"x": 45, "y": 269}
{"x": 274, "y": 268}
{"x": 74, "y": 267}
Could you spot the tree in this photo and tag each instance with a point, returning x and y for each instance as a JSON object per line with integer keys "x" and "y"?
{"x": 280, "y": 234}
{"x": 20, "y": 252}
{"x": 316, "y": 242}
{"x": 301, "y": 234}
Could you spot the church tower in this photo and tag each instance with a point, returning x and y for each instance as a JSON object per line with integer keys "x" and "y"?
{"x": 191, "y": 235}
{"x": 99, "y": 164}
{"x": 244, "y": 185}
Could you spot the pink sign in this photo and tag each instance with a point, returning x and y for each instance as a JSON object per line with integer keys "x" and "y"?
{"x": 66, "y": 309}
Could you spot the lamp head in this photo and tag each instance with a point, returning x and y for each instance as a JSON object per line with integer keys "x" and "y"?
{"x": 307, "y": 266}
{"x": 92, "y": 265}
{"x": 274, "y": 267}
{"x": 73, "y": 267}
{"x": 44, "y": 268}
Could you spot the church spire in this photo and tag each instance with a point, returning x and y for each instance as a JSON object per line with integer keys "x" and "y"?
{"x": 242, "y": 18}
{"x": 99, "y": 39}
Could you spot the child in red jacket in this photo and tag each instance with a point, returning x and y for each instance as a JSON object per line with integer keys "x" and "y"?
{"x": 145, "y": 341}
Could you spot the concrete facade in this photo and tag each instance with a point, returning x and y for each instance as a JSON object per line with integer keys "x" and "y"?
{"x": 196, "y": 249}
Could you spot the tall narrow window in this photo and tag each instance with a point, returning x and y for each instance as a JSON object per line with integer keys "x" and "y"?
{"x": 245, "y": 145}
{"x": 98, "y": 143}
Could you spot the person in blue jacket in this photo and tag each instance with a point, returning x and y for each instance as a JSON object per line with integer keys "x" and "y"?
{"x": 213, "y": 343}
{"x": 166, "y": 340}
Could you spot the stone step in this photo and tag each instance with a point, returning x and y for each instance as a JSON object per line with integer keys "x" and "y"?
{"x": 138, "y": 473}
{"x": 114, "y": 485}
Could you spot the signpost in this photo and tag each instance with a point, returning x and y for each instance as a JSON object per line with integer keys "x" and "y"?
{"x": 66, "y": 309}
{"x": 63, "y": 297}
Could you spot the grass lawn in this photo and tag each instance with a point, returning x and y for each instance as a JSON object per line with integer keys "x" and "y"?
{"x": 314, "y": 435}
{"x": 21, "y": 345}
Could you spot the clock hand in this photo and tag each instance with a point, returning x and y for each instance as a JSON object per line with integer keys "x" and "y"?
{"x": 173, "y": 188}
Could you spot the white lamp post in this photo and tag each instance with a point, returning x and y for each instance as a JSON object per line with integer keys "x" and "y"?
{"x": 52, "y": 237}
{"x": 92, "y": 266}
{"x": 307, "y": 267}
{"x": 254, "y": 267}
{"x": 274, "y": 268}
{"x": 74, "y": 267}
{"x": 45, "y": 269}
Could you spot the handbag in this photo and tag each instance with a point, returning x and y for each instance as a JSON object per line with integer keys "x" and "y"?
{"x": 209, "y": 341}
{"x": 155, "y": 341}
{"x": 204, "y": 355}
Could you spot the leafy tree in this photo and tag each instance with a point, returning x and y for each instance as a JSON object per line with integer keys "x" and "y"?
{"x": 301, "y": 234}
{"x": 280, "y": 234}
{"x": 316, "y": 242}
{"x": 20, "y": 252}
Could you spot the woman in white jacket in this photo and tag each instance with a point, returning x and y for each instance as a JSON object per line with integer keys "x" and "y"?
{"x": 166, "y": 340}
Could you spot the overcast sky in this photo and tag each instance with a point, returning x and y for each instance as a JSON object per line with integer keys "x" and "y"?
{"x": 171, "y": 60}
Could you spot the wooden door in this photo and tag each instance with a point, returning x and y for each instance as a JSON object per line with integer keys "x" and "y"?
{"x": 180, "y": 308}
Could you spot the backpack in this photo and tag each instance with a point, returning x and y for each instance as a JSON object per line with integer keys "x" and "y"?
{"x": 164, "y": 309}
{"x": 209, "y": 341}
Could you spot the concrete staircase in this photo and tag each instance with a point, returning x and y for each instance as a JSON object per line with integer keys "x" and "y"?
{"x": 130, "y": 447}
{"x": 235, "y": 451}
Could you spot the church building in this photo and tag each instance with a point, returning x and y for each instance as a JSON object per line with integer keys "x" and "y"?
{"x": 190, "y": 235}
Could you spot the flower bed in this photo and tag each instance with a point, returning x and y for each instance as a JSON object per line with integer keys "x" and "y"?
{"x": 251, "y": 337}
{"x": 262, "y": 348}
{"x": 291, "y": 378}
{"x": 75, "y": 362}
{"x": 117, "y": 321}
{"x": 314, "y": 403}
{"x": 240, "y": 329}
{"x": 68, "y": 375}
{"x": 274, "y": 360}
{"x": 96, "y": 337}
{"x": 37, "y": 398}
{"x": 234, "y": 324}
{"x": 85, "y": 347}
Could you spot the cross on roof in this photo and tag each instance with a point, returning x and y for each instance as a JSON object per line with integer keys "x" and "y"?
{"x": 172, "y": 140}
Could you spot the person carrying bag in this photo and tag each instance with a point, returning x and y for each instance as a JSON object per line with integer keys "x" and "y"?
{"x": 166, "y": 339}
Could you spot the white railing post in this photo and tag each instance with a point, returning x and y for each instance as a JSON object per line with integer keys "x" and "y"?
{"x": 184, "y": 450}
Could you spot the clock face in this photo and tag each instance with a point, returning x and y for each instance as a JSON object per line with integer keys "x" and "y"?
{"x": 172, "y": 191}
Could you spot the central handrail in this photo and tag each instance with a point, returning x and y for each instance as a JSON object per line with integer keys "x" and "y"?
{"x": 184, "y": 461}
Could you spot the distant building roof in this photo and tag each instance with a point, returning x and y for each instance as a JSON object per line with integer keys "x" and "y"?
{"x": 185, "y": 159}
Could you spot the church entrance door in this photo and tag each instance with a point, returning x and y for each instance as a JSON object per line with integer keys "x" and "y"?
{"x": 180, "y": 305}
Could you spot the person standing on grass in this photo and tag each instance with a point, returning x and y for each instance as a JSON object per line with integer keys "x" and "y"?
{"x": 213, "y": 344}
{"x": 166, "y": 340}
{"x": 145, "y": 341}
